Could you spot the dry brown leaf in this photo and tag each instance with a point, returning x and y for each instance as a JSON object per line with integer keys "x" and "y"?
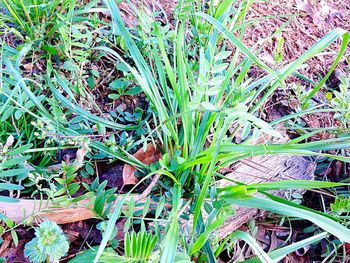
{"x": 151, "y": 155}
{"x": 28, "y": 66}
{"x": 72, "y": 235}
{"x": 5, "y": 245}
{"x": 306, "y": 6}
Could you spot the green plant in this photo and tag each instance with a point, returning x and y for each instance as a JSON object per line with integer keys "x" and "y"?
{"x": 198, "y": 85}
{"x": 138, "y": 247}
{"x": 36, "y": 19}
{"x": 12, "y": 167}
{"x": 201, "y": 98}
{"x": 341, "y": 101}
{"x": 49, "y": 243}
{"x": 341, "y": 205}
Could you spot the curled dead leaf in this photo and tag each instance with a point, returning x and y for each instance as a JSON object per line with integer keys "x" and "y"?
{"x": 80, "y": 155}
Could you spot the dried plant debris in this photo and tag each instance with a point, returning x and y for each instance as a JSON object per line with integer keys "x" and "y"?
{"x": 309, "y": 21}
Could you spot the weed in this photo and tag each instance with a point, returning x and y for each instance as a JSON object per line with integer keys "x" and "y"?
{"x": 38, "y": 20}
{"x": 341, "y": 101}
{"x": 49, "y": 244}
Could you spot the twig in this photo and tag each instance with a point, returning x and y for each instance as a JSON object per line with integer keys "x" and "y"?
{"x": 148, "y": 189}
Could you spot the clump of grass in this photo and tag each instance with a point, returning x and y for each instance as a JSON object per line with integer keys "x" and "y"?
{"x": 209, "y": 93}
{"x": 36, "y": 20}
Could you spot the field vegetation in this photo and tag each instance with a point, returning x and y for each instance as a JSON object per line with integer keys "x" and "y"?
{"x": 129, "y": 132}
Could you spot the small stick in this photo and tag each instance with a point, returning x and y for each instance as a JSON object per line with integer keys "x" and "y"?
{"x": 148, "y": 189}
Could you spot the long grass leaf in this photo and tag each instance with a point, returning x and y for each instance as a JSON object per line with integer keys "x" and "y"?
{"x": 263, "y": 256}
{"x": 238, "y": 43}
{"x": 291, "y": 184}
{"x": 172, "y": 235}
{"x": 280, "y": 253}
{"x": 341, "y": 52}
{"x": 329, "y": 225}
{"x": 110, "y": 228}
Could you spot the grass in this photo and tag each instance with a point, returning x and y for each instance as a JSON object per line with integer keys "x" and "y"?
{"x": 200, "y": 98}
{"x": 36, "y": 20}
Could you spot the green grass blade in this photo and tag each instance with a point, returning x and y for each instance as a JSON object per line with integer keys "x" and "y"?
{"x": 172, "y": 235}
{"x": 14, "y": 13}
{"x": 203, "y": 237}
{"x": 110, "y": 228}
{"x": 238, "y": 43}
{"x": 281, "y": 253}
{"x": 341, "y": 52}
{"x": 304, "y": 112}
{"x": 170, "y": 242}
{"x": 223, "y": 7}
{"x": 329, "y": 225}
{"x": 251, "y": 241}
{"x": 9, "y": 186}
{"x": 293, "y": 184}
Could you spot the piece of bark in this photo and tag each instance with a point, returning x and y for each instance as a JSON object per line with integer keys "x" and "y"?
{"x": 38, "y": 211}
{"x": 263, "y": 169}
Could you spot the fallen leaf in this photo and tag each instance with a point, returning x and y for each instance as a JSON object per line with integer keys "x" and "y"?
{"x": 151, "y": 155}
{"x": 72, "y": 235}
{"x": 28, "y": 66}
{"x": 307, "y": 7}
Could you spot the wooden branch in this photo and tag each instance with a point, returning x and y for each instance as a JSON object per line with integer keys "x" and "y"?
{"x": 28, "y": 209}
{"x": 263, "y": 169}
{"x": 38, "y": 211}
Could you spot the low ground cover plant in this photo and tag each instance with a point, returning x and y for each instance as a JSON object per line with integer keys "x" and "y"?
{"x": 49, "y": 244}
